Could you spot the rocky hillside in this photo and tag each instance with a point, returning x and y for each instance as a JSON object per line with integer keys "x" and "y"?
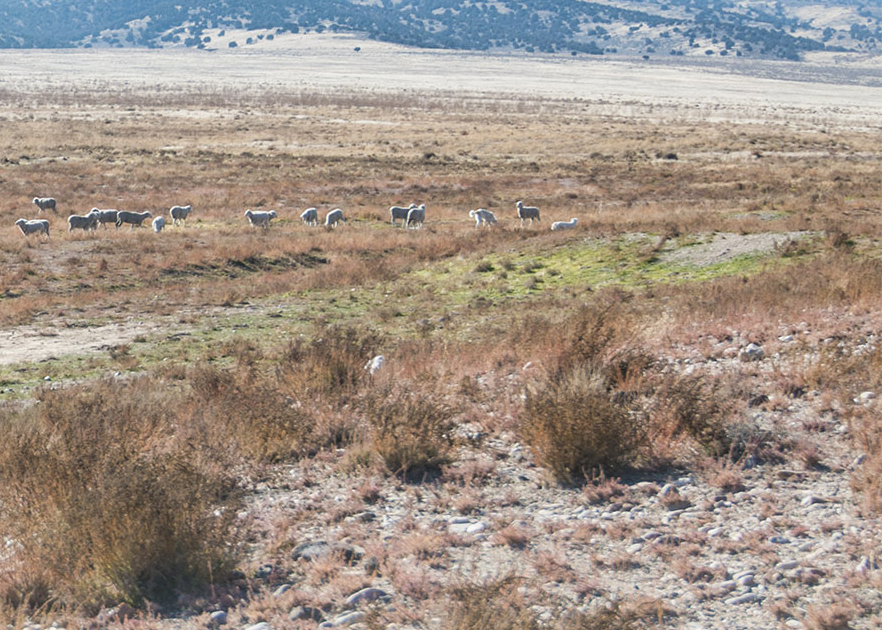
{"x": 756, "y": 28}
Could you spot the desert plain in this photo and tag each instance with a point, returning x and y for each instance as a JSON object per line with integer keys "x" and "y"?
{"x": 666, "y": 417}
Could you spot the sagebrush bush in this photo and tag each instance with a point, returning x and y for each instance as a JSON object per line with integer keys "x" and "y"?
{"x": 249, "y": 413}
{"x": 409, "y": 429}
{"x": 108, "y": 502}
{"x": 576, "y": 430}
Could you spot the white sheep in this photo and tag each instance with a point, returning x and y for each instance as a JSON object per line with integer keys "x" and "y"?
{"x": 310, "y": 216}
{"x": 416, "y": 215}
{"x": 34, "y": 226}
{"x": 45, "y": 203}
{"x": 158, "y": 223}
{"x": 106, "y": 216}
{"x": 400, "y": 212}
{"x": 564, "y": 225}
{"x": 373, "y": 366}
{"x": 334, "y": 217}
{"x": 179, "y": 213}
{"x": 132, "y": 218}
{"x": 527, "y": 212}
{"x": 482, "y": 216}
{"x": 83, "y": 222}
{"x": 260, "y": 218}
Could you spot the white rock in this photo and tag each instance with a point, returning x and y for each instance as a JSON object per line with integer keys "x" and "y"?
{"x": 476, "y": 528}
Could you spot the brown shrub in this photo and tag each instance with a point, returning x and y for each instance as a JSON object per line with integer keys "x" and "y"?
{"x": 576, "y": 430}
{"x": 111, "y": 503}
{"x": 411, "y": 430}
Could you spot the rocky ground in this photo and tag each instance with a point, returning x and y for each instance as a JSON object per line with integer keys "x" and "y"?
{"x": 776, "y": 539}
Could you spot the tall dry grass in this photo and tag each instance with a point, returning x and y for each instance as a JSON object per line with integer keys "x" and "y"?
{"x": 106, "y": 500}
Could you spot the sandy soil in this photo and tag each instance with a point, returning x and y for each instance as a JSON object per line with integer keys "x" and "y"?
{"x": 827, "y": 90}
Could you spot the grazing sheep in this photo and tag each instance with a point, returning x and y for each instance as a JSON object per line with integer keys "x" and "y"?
{"x": 416, "y": 215}
{"x": 158, "y": 224}
{"x": 179, "y": 213}
{"x": 334, "y": 217}
{"x": 482, "y": 216}
{"x": 34, "y": 226}
{"x": 83, "y": 222}
{"x": 106, "y": 216}
{"x": 399, "y": 212}
{"x": 45, "y": 203}
{"x": 132, "y": 218}
{"x": 260, "y": 218}
{"x": 564, "y": 225}
{"x": 310, "y": 216}
{"x": 527, "y": 212}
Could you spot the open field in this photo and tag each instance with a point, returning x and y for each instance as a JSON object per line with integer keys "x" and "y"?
{"x": 663, "y": 418}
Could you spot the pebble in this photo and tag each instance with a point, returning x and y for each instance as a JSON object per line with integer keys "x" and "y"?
{"x": 218, "y": 618}
{"x": 476, "y": 528}
{"x": 284, "y": 588}
{"x": 344, "y": 620}
{"x": 365, "y": 595}
{"x": 305, "y": 612}
{"x": 747, "y": 598}
{"x": 259, "y": 626}
{"x": 786, "y": 565}
{"x": 751, "y": 352}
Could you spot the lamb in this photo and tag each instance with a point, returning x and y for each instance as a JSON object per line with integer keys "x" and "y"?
{"x": 158, "y": 224}
{"x": 482, "y": 216}
{"x": 399, "y": 212}
{"x": 178, "y": 213}
{"x": 34, "y": 226}
{"x": 106, "y": 216}
{"x": 527, "y": 212}
{"x": 564, "y": 225}
{"x": 334, "y": 217}
{"x": 132, "y": 218}
{"x": 45, "y": 203}
{"x": 310, "y": 216}
{"x": 260, "y": 218}
{"x": 83, "y": 222}
{"x": 416, "y": 215}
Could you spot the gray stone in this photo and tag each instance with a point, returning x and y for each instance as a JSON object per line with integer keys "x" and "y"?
{"x": 366, "y": 595}
{"x": 747, "y": 598}
{"x": 217, "y": 618}
{"x": 305, "y": 612}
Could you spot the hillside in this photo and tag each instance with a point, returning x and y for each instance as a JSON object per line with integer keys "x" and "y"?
{"x": 757, "y": 29}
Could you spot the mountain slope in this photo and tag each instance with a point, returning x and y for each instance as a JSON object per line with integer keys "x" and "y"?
{"x": 674, "y": 27}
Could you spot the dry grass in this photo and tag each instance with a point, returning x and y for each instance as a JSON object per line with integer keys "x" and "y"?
{"x": 112, "y": 501}
{"x": 284, "y": 386}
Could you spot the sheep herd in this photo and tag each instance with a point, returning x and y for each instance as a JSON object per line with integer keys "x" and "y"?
{"x": 412, "y": 216}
